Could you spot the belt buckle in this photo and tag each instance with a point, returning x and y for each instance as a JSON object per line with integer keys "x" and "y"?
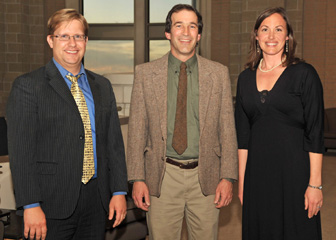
{"x": 189, "y": 163}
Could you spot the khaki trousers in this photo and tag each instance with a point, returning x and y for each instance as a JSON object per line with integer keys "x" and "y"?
{"x": 181, "y": 196}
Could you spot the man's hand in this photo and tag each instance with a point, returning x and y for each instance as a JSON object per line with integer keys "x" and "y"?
{"x": 140, "y": 191}
{"x": 223, "y": 193}
{"x": 35, "y": 223}
{"x": 118, "y": 205}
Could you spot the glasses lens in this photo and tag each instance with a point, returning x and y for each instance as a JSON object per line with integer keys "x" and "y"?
{"x": 65, "y": 37}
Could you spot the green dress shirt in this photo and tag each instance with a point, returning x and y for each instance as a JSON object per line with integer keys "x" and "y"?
{"x": 192, "y": 107}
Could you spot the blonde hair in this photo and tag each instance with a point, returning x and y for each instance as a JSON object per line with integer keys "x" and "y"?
{"x": 66, "y": 15}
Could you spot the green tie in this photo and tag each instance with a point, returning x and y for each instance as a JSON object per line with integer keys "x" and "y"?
{"x": 88, "y": 162}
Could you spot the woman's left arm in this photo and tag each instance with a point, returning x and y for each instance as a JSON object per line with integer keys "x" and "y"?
{"x": 313, "y": 195}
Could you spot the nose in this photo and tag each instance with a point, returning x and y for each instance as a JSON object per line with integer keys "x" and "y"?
{"x": 72, "y": 41}
{"x": 271, "y": 34}
{"x": 186, "y": 31}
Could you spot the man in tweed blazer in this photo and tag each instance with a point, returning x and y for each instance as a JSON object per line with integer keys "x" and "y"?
{"x": 46, "y": 142}
{"x": 198, "y": 182}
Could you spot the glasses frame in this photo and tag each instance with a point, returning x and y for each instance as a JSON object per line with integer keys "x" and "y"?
{"x": 66, "y": 37}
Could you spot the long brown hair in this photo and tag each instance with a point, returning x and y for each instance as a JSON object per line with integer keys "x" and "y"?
{"x": 254, "y": 56}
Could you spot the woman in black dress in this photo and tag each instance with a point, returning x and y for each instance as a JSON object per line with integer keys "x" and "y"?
{"x": 279, "y": 119}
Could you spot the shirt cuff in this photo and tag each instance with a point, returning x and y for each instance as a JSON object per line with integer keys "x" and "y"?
{"x": 230, "y": 180}
{"x": 31, "y": 205}
{"x": 136, "y": 180}
{"x": 119, "y": 193}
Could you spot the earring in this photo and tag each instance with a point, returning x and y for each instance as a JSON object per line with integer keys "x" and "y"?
{"x": 258, "y": 47}
{"x": 286, "y": 45}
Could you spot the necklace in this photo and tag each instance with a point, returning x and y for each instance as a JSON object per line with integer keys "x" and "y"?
{"x": 265, "y": 71}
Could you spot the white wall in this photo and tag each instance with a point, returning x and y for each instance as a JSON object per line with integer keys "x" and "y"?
{"x": 7, "y": 200}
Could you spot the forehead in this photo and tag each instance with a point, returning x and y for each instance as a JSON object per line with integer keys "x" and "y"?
{"x": 274, "y": 20}
{"x": 70, "y": 26}
{"x": 184, "y": 16}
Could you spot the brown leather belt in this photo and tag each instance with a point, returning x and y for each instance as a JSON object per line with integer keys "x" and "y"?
{"x": 189, "y": 165}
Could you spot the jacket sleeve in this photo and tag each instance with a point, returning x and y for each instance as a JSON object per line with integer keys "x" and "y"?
{"x": 228, "y": 139}
{"x": 117, "y": 163}
{"x": 22, "y": 119}
{"x": 137, "y": 130}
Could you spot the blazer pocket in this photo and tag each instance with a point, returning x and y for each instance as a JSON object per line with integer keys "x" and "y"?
{"x": 216, "y": 91}
{"x": 46, "y": 168}
{"x": 146, "y": 149}
{"x": 217, "y": 151}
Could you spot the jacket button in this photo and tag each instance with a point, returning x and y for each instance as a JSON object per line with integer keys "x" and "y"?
{"x": 81, "y": 137}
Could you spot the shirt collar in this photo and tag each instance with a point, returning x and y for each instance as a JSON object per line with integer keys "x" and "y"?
{"x": 175, "y": 63}
{"x": 65, "y": 72}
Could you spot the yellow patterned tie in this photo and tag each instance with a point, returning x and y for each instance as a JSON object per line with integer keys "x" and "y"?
{"x": 88, "y": 163}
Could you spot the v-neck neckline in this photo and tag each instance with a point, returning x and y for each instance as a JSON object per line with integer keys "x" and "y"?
{"x": 275, "y": 84}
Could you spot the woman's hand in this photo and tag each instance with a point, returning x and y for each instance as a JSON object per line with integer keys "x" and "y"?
{"x": 241, "y": 192}
{"x": 313, "y": 201}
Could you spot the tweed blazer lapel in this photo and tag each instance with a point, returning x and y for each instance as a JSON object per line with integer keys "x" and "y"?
{"x": 159, "y": 82}
{"x": 205, "y": 87}
{"x": 57, "y": 82}
{"x": 159, "y": 76}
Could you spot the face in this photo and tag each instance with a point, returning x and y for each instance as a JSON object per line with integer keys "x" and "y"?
{"x": 68, "y": 53}
{"x": 272, "y": 35}
{"x": 183, "y": 35}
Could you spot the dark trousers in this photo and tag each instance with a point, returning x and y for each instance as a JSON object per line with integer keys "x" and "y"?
{"x": 86, "y": 223}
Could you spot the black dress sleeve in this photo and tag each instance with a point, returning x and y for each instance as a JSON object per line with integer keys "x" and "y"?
{"x": 242, "y": 121}
{"x": 313, "y": 109}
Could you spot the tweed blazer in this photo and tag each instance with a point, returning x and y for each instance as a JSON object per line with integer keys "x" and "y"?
{"x": 46, "y": 141}
{"x": 147, "y": 134}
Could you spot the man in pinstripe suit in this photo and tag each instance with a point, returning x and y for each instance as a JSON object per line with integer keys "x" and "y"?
{"x": 46, "y": 142}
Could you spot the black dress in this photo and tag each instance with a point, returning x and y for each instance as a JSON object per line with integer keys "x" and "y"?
{"x": 279, "y": 128}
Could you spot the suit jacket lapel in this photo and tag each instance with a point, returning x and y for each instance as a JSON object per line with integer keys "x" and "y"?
{"x": 57, "y": 82}
{"x": 205, "y": 88}
{"x": 95, "y": 93}
{"x": 159, "y": 83}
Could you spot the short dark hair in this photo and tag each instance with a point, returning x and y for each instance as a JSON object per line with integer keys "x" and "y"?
{"x": 180, "y": 7}
{"x": 254, "y": 56}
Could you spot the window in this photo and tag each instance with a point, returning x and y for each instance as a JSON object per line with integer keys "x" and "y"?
{"x": 110, "y": 56}
{"x": 158, "y": 9}
{"x": 158, "y": 48}
{"x": 109, "y": 11}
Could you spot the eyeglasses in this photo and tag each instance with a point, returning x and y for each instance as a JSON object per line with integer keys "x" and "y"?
{"x": 65, "y": 37}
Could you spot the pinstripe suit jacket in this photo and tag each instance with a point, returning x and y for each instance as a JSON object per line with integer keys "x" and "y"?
{"x": 46, "y": 143}
{"x": 147, "y": 134}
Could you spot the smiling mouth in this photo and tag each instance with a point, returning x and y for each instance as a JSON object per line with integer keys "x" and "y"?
{"x": 271, "y": 44}
{"x": 185, "y": 41}
{"x": 72, "y": 52}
